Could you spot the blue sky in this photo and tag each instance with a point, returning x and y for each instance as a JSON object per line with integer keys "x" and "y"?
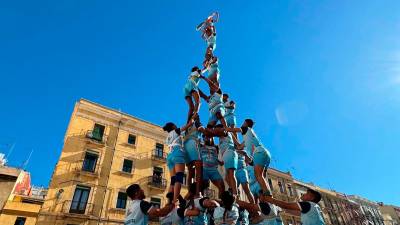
{"x": 320, "y": 78}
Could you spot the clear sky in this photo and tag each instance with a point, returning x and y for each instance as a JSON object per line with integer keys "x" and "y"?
{"x": 320, "y": 78}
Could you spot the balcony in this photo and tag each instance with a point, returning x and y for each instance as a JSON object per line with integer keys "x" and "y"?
{"x": 157, "y": 182}
{"x": 160, "y": 156}
{"x": 96, "y": 138}
{"x": 79, "y": 169}
{"x": 77, "y": 209}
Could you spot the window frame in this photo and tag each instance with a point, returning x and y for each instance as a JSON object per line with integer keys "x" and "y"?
{"x": 159, "y": 149}
{"x": 290, "y": 190}
{"x": 21, "y": 220}
{"x": 124, "y": 166}
{"x": 102, "y": 131}
{"x": 121, "y": 202}
{"x": 90, "y": 153}
{"x": 281, "y": 187}
{"x": 134, "y": 138}
{"x": 78, "y": 209}
{"x": 270, "y": 184}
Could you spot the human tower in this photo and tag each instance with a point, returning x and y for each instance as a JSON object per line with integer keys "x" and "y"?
{"x": 244, "y": 163}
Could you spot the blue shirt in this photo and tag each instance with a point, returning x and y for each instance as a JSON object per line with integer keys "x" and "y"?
{"x": 311, "y": 214}
{"x": 226, "y": 143}
{"x": 209, "y": 156}
{"x": 229, "y": 111}
{"x": 250, "y": 139}
{"x": 215, "y": 100}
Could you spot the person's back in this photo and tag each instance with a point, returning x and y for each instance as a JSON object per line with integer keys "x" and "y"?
{"x": 311, "y": 214}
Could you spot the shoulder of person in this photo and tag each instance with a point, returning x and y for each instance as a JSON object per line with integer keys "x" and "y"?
{"x": 145, "y": 206}
{"x": 305, "y": 207}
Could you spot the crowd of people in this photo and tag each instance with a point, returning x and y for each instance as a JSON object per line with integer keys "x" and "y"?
{"x": 245, "y": 163}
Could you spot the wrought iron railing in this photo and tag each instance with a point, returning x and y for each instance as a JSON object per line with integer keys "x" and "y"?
{"x": 96, "y": 137}
{"x": 158, "y": 155}
{"x": 80, "y": 168}
{"x": 157, "y": 182}
{"x": 77, "y": 207}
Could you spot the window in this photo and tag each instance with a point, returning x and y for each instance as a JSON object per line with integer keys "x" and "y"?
{"x": 156, "y": 202}
{"x": 80, "y": 199}
{"x": 98, "y": 132}
{"x": 270, "y": 184}
{"x": 20, "y": 221}
{"x": 127, "y": 167}
{"x": 121, "y": 200}
{"x": 159, "y": 151}
{"x": 157, "y": 175}
{"x": 290, "y": 190}
{"x": 131, "y": 139}
{"x": 281, "y": 189}
{"x": 89, "y": 163}
{"x": 157, "y": 170}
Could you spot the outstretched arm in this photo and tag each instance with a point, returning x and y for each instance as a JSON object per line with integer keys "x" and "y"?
{"x": 210, "y": 203}
{"x": 284, "y": 205}
{"x": 213, "y": 132}
{"x": 238, "y": 145}
{"x": 154, "y": 212}
{"x": 186, "y": 126}
{"x": 234, "y": 129}
{"x": 213, "y": 86}
{"x": 248, "y": 206}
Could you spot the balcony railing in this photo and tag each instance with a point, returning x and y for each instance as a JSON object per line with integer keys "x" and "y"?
{"x": 96, "y": 137}
{"x": 76, "y": 207}
{"x": 156, "y": 182}
{"x": 156, "y": 155}
{"x": 80, "y": 169}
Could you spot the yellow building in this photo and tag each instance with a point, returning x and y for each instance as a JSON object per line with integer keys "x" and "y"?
{"x": 336, "y": 208}
{"x": 390, "y": 214}
{"x": 283, "y": 188}
{"x": 20, "y": 202}
{"x": 104, "y": 152}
